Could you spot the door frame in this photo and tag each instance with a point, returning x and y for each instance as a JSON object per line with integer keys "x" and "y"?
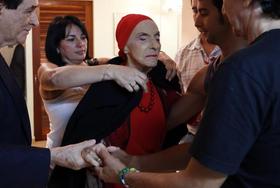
{"x": 39, "y": 117}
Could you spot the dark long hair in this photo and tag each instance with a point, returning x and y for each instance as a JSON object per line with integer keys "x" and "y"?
{"x": 56, "y": 33}
{"x": 270, "y": 8}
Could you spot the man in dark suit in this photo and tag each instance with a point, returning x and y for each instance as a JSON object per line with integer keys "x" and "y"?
{"x": 18, "y": 66}
{"x": 20, "y": 164}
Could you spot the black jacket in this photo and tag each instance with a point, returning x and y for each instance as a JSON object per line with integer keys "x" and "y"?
{"x": 102, "y": 110}
{"x": 21, "y": 165}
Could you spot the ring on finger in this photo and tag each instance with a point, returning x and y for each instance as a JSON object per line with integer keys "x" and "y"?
{"x": 97, "y": 159}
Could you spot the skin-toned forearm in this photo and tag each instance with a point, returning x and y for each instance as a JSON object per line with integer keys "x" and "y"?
{"x": 167, "y": 180}
{"x": 157, "y": 180}
{"x": 171, "y": 159}
{"x": 185, "y": 108}
{"x": 194, "y": 176}
{"x": 61, "y": 78}
{"x": 57, "y": 79}
{"x": 191, "y": 103}
{"x": 70, "y": 156}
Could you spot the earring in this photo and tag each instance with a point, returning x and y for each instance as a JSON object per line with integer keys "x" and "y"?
{"x": 125, "y": 50}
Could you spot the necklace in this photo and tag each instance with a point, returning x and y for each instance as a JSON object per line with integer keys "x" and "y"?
{"x": 151, "y": 102}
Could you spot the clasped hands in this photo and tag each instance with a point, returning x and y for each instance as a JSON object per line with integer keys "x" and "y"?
{"x": 105, "y": 164}
{"x": 90, "y": 154}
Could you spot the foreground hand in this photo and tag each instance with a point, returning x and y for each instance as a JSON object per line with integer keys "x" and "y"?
{"x": 70, "y": 156}
{"x": 122, "y": 156}
{"x": 89, "y": 154}
{"x": 170, "y": 65}
{"x": 129, "y": 78}
{"x": 110, "y": 168}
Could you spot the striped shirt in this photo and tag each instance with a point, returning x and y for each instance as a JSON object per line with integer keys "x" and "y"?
{"x": 190, "y": 59}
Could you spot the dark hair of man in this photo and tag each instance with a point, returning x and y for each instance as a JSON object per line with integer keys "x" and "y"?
{"x": 271, "y": 8}
{"x": 56, "y": 33}
{"x": 219, "y": 4}
{"x": 10, "y": 4}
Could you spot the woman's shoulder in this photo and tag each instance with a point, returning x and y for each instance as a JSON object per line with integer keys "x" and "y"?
{"x": 44, "y": 68}
{"x": 47, "y": 65}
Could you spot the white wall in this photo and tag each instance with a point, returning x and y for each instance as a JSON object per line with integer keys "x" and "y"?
{"x": 29, "y": 80}
{"x": 189, "y": 32}
{"x": 166, "y": 13}
{"x": 176, "y": 29}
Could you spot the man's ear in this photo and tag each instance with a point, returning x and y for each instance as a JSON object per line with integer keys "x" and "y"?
{"x": 57, "y": 50}
{"x": 247, "y": 3}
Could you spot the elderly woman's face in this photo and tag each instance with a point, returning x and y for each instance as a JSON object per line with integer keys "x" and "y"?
{"x": 143, "y": 45}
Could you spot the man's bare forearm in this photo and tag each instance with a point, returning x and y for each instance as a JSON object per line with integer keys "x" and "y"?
{"x": 171, "y": 159}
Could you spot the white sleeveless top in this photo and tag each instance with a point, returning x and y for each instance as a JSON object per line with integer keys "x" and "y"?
{"x": 59, "y": 111}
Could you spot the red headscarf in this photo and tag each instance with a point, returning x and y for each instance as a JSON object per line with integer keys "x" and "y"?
{"x": 125, "y": 28}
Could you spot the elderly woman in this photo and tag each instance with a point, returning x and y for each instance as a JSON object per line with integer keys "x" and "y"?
{"x": 238, "y": 142}
{"x": 136, "y": 121}
{"x": 66, "y": 77}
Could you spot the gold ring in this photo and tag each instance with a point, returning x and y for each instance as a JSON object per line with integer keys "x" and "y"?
{"x": 97, "y": 159}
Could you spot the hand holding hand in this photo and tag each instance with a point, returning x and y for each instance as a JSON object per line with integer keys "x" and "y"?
{"x": 70, "y": 156}
{"x": 110, "y": 168}
{"x": 170, "y": 65}
{"x": 124, "y": 157}
{"x": 127, "y": 77}
{"x": 89, "y": 154}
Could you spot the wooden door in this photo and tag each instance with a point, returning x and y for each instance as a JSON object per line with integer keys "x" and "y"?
{"x": 48, "y": 9}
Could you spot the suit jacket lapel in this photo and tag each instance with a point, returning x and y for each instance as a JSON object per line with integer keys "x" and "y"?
{"x": 16, "y": 93}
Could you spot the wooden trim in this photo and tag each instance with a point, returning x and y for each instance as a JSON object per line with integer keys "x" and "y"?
{"x": 49, "y": 9}
{"x": 37, "y": 99}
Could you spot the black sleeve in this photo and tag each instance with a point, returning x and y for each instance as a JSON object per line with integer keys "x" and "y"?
{"x": 23, "y": 166}
{"x": 157, "y": 75}
{"x": 18, "y": 66}
{"x": 101, "y": 111}
{"x": 104, "y": 107}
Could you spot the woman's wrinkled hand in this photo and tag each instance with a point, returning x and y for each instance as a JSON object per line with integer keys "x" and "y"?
{"x": 127, "y": 77}
{"x": 90, "y": 156}
{"x": 109, "y": 167}
{"x": 70, "y": 156}
{"x": 170, "y": 65}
